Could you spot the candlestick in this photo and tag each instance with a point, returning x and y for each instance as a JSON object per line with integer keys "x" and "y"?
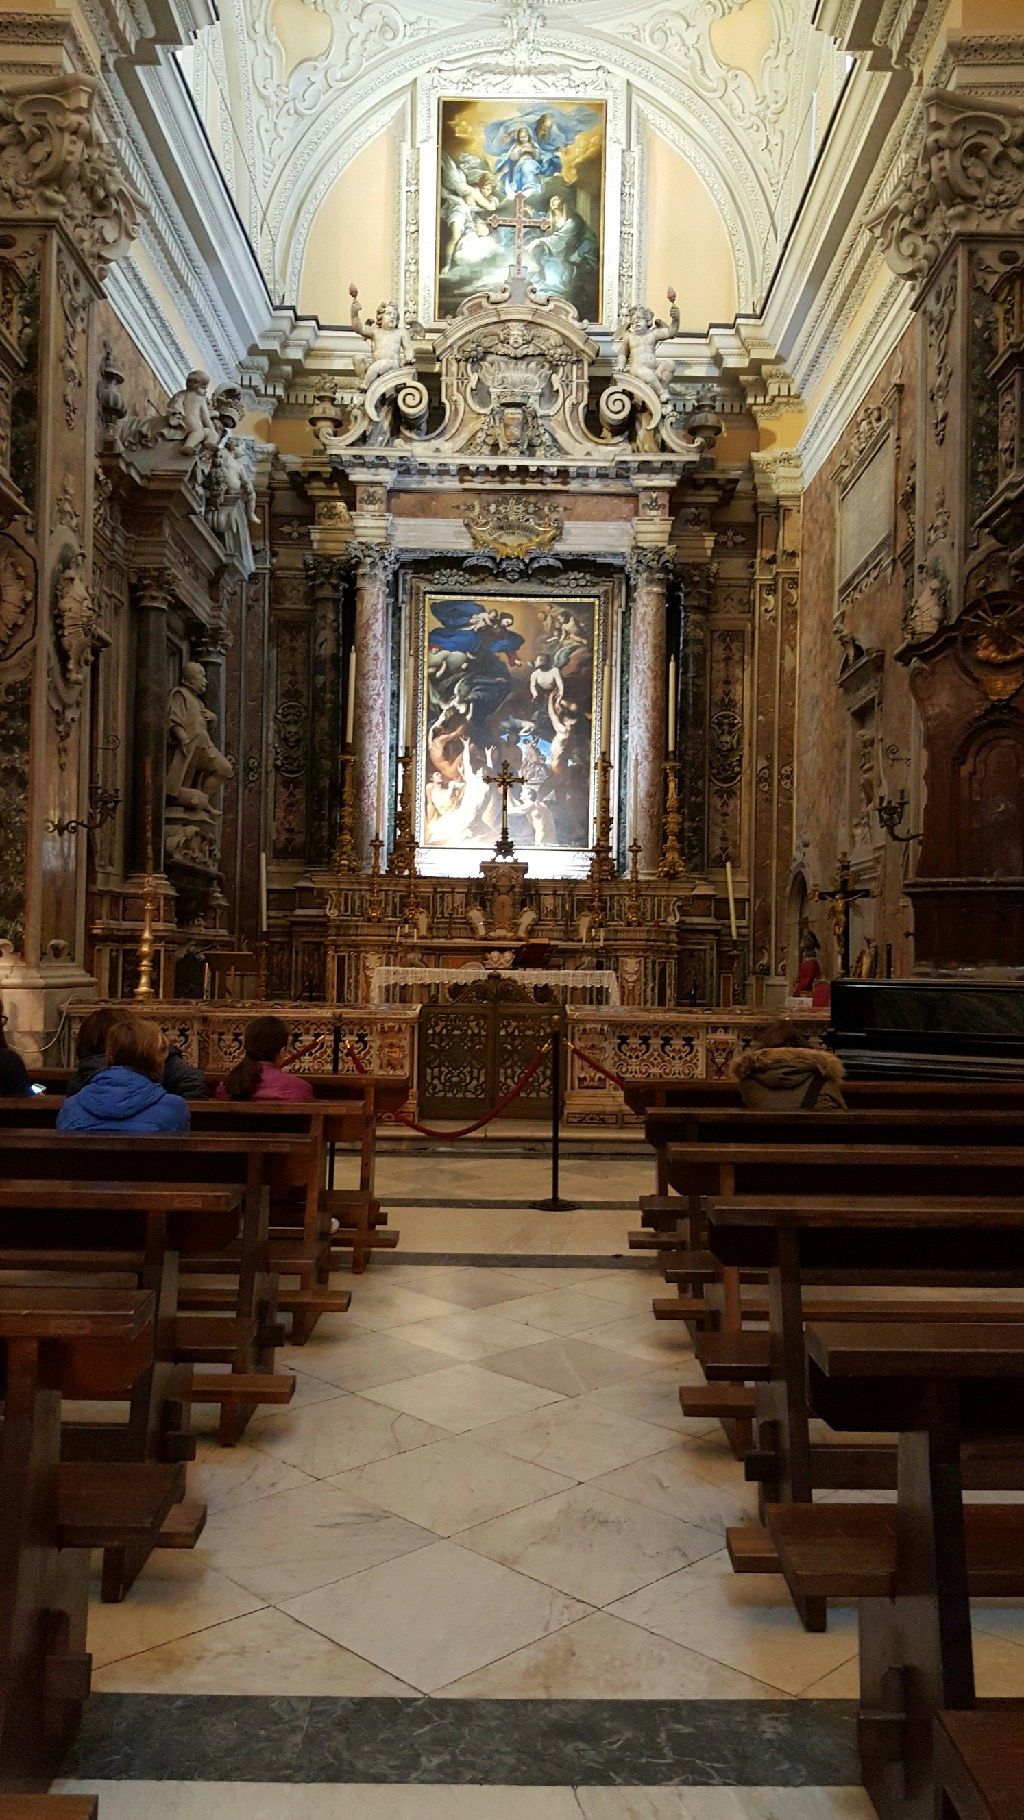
{"x": 671, "y": 707}
{"x": 606, "y": 710}
{"x": 345, "y": 853}
{"x": 732, "y": 898}
{"x": 672, "y": 864}
{"x": 350, "y": 706}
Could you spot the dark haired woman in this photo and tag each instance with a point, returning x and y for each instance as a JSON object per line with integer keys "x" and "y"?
{"x": 787, "y": 1070}
{"x": 13, "y": 1072}
{"x": 178, "y": 1077}
{"x": 260, "y": 1075}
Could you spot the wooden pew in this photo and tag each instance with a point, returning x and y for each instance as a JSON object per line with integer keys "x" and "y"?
{"x": 920, "y": 1564}
{"x": 244, "y": 1338}
{"x": 155, "y": 1387}
{"x": 53, "y": 1514}
{"x": 979, "y": 1762}
{"x": 48, "y": 1807}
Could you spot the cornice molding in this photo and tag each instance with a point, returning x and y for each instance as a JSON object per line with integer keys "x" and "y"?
{"x": 56, "y": 165}
{"x": 966, "y": 177}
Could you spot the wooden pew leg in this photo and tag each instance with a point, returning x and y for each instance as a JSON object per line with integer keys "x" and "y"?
{"x": 882, "y": 1719}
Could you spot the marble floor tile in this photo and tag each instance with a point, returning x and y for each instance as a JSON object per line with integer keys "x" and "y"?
{"x": 451, "y": 1485}
{"x": 662, "y": 1342}
{"x": 174, "y": 1596}
{"x": 288, "y": 1544}
{"x": 603, "y": 1658}
{"x": 463, "y": 1397}
{"x": 471, "y": 1286}
{"x": 570, "y": 1439}
{"x": 564, "y": 1310}
{"x": 999, "y": 1618}
{"x": 628, "y": 1289}
{"x": 724, "y": 1804}
{"x": 593, "y": 1232}
{"x": 591, "y": 1545}
{"x": 264, "y": 1653}
{"x": 364, "y": 1357}
{"x": 378, "y": 1304}
{"x": 347, "y": 1801}
{"x": 471, "y": 1333}
{"x": 570, "y": 1366}
{"x": 998, "y": 1672}
{"x": 652, "y": 1396}
{"x": 226, "y": 1476}
{"x": 684, "y": 1484}
{"x": 744, "y": 1620}
{"x": 330, "y": 1438}
{"x": 436, "y": 1615}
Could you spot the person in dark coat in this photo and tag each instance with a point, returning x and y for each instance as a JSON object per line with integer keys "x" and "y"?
{"x": 126, "y": 1096}
{"x": 90, "y": 1050}
{"x": 13, "y": 1072}
{"x": 787, "y": 1070}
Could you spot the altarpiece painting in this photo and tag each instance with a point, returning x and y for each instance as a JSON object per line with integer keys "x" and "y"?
{"x": 541, "y": 160}
{"x": 507, "y": 678}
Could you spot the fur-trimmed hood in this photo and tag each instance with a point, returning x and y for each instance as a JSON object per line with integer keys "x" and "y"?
{"x": 766, "y": 1062}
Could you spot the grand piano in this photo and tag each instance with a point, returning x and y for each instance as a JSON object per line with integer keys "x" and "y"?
{"x": 940, "y": 1030}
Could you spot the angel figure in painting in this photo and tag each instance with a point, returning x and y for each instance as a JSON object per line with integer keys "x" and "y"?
{"x": 638, "y": 343}
{"x": 466, "y": 208}
{"x": 391, "y": 347}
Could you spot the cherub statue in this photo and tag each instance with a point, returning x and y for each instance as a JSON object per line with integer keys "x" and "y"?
{"x": 188, "y": 415}
{"x": 390, "y": 342}
{"x": 236, "y": 476}
{"x": 638, "y": 342}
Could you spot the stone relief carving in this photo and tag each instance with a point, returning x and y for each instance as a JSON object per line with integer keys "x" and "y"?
{"x": 53, "y": 157}
{"x": 17, "y": 597}
{"x": 74, "y": 303}
{"x": 513, "y": 527}
{"x": 196, "y": 773}
{"x": 967, "y": 177}
{"x": 76, "y": 621}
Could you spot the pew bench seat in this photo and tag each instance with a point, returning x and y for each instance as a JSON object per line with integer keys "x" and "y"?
{"x": 847, "y": 1552}
{"x": 979, "y": 1760}
{"x": 48, "y": 1807}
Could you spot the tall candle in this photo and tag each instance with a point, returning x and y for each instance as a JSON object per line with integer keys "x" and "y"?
{"x": 606, "y": 710}
{"x": 379, "y": 811}
{"x": 732, "y": 898}
{"x": 350, "y": 707}
{"x": 671, "y": 707}
{"x": 407, "y": 734}
{"x": 635, "y": 816}
{"x": 263, "y": 893}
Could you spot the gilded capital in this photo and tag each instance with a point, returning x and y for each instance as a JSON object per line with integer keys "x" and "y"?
{"x": 55, "y": 164}
{"x": 966, "y": 178}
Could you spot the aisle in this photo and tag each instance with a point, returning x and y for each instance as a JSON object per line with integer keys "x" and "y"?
{"x": 484, "y": 1550}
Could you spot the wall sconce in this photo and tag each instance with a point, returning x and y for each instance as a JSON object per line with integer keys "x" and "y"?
{"x": 891, "y": 811}
{"x": 103, "y": 806}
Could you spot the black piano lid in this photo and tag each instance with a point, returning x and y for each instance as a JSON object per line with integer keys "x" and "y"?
{"x": 941, "y": 1029}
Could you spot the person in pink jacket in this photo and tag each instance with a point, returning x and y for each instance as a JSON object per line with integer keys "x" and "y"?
{"x": 261, "y": 1074}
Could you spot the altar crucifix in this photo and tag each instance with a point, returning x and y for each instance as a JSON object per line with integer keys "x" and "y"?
{"x": 506, "y": 780}
{"x": 841, "y": 900}
{"x": 520, "y": 224}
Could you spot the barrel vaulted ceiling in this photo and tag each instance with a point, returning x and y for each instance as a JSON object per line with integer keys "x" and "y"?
{"x": 293, "y": 90}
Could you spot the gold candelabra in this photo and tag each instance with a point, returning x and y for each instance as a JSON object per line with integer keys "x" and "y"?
{"x": 634, "y": 908}
{"x": 147, "y": 947}
{"x": 345, "y": 851}
{"x": 601, "y": 867}
{"x": 375, "y": 900}
{"x": 403, "y": 853}
{"x": 673, "y": 864}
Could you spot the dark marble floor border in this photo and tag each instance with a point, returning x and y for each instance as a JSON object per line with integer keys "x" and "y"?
{"x": 508, "y": 1260}
{"x": 551, "y": 1743}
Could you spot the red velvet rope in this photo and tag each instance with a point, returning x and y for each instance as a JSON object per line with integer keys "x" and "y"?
{"x": 402, "y": 1118}
{"x": 589, "y": 1062}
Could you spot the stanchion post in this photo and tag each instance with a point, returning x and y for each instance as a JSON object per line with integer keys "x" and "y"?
{"x": 555, "y": 1203}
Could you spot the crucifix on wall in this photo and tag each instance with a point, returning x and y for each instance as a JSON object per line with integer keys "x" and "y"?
{"x": 505, "y": 780}
{"x": 841, "y": 899}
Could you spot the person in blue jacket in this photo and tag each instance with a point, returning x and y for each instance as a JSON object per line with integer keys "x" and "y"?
{"x": 127, "y": 1095}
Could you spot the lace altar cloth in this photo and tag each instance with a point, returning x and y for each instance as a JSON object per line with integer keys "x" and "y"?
{"x": 596, "y": 983}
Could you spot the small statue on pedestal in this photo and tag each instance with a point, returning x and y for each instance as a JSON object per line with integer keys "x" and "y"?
{"x": 390, "y": 343}
{"x": 638, "y": 343}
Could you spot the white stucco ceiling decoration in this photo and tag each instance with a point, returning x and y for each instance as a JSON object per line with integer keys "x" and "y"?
{"x": 295, "y": 125}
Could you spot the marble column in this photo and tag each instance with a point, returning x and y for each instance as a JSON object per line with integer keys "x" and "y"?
{"x": 152, "y": 592}
{"x": 329, "y": 578}
{"x": 692, "y": 729}
{"x": 372, "y": 730}
{"x": 648, "y": 575}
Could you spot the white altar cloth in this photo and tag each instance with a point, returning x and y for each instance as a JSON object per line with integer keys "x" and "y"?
{"x": 564, "y": 980}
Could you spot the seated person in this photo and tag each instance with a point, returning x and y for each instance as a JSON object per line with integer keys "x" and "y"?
{"x": 787, "y": 1070}
{"x": 13, "y": 1072}
{"x": 260, "y": 1075}
{"x": 91, "y": 1054}
{"x": 126, "y": 1095}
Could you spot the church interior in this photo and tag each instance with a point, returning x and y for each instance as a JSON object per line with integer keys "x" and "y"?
{"x": 511, "y": 909}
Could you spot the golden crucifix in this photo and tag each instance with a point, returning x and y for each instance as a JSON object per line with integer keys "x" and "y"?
{"x": 505, "y": 781}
